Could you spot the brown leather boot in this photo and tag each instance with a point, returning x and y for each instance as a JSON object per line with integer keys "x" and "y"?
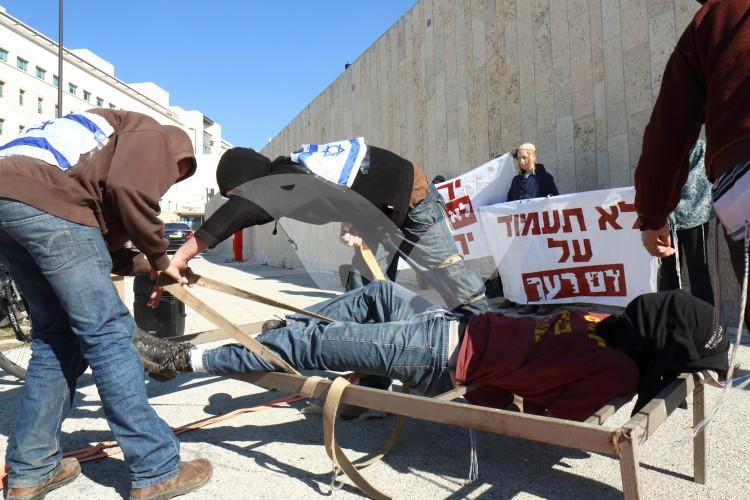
{"x": 68, "y": 471}
{"x": 192, "y": 476}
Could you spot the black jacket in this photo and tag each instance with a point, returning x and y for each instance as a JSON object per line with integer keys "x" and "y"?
{"x": 539, "y": 185}
{"x": 666, "y": 333}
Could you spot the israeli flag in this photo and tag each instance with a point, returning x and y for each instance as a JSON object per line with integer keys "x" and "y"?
{"x": 62, "y": 141}
{"x": 338, "y": 162}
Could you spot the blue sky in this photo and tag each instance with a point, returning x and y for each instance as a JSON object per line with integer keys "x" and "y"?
{"x": 250, "y": 65}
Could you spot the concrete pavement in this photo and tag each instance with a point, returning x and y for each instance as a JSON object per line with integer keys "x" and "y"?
{"x": 278, "y": 453}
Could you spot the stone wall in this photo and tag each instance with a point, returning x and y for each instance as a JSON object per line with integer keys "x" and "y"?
{"x": 455, "y": 83}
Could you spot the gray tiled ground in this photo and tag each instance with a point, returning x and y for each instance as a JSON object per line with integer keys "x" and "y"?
{"x": 278, "y": 454}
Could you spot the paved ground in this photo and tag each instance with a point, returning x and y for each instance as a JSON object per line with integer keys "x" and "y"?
{"x": 277, "y": 453}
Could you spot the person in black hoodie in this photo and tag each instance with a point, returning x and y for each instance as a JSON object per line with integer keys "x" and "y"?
{"x": 311, "y": 186}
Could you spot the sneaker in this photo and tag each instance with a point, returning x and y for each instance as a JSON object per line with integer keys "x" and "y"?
{"x": 192, "y": 476}
{"x": 68, "y": 471}
{"x": 163, "y": 359}
{"x": 272, "y": 324}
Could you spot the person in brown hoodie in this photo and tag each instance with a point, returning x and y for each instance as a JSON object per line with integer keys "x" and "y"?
{"x": 74, "y": 190}
{"x": 706, "y": 81}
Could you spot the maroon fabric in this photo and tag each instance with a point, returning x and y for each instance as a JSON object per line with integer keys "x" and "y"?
{"x": 706, "y": 80}
{"x": 557, "y": 363}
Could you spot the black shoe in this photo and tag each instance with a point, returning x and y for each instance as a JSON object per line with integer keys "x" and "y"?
{"x": 272, "y": 324}
{"x": 162, "y": 359}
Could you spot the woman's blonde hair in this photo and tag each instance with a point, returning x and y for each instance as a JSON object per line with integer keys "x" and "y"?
{"x": 531, "y": 149}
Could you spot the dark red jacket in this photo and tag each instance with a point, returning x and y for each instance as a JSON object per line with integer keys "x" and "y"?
{"x": 706, "y": 81}
{"x": 557, "y": 363}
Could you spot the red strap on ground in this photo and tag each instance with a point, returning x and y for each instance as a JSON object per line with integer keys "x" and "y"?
{"x": 110, "y": 448}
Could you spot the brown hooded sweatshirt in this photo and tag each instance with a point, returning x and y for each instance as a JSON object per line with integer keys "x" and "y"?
{"x": 116, "y": 188}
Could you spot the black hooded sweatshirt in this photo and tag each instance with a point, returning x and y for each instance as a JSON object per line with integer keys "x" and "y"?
{"x": 666, "y": 333}
{"x": 386, "y": 181}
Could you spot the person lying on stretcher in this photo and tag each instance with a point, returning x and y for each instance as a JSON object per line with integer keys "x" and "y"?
{"x": 567, "y": 365}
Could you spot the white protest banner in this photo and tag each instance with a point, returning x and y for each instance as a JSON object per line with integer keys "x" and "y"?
{"x": 485, "y": 185}
{"x": 582, "y": 247}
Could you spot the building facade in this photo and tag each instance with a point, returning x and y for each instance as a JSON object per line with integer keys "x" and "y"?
{"x": 29, "y": 84}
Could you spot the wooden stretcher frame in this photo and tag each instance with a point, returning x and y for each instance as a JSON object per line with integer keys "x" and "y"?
{"x": 622, "y": 443}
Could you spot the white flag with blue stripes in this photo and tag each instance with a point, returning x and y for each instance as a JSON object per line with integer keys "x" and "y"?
{"x": 338, "y": 162}
{"x": 61, "y": 141}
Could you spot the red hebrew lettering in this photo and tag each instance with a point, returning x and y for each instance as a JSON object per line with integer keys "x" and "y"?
{"x": 460, "y": 212}
{"x": 463, "y": 241}
{"x": 606, "y": 217}
{"x": 450, "y": 187}
{"x": 517, "y": 224}
{"x": 531, "y": 222}
{"x": 550, "y": 227}
{"x": 506, "y": 219}
{"x": 576, "y": 282}
{"x": 628, "y": 207}
{"x": 584, "y": 256}
{"x": 573, "y": 212}
{"x": 553, "y": 243}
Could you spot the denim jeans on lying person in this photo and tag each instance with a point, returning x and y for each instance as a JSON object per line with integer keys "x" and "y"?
{"x": 383, "y": 329}
{"x": 63, "y": 270}
{"x": 427, "y": 245}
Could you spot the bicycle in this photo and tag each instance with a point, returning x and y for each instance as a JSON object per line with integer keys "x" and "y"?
{"x": 15, "y": 350}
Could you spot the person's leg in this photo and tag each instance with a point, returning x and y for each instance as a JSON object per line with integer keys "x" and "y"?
{"x": 359, "y": 272}
{"x": 430, "y": 246}
{"x": 76, "y": 265}
{"x": 35, "y": 454}
{"x": 413, "y": 351}
{"x": 694, "y": 250}
{"x": 376, "y": 302}
{"x": 737, "y": 256}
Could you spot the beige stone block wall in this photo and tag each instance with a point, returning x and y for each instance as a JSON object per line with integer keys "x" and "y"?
{"x": 455, "y": 83}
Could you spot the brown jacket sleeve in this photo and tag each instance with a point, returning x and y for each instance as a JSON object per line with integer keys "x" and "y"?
{"x": 672, "y": 130}
{"x": 142, "y": 169}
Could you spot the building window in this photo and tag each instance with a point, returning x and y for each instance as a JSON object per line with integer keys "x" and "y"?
{"x": 41, "y": 73}
{"x": 55, "y": 80}
{"x": 111, "y": 106}
{"x": 87, "y": 96}
{"x": 72, "y": 88}
{"x": 22, "y": 64}
{"x": 21, "y": 93}
{"x": 40, "y": 105}
{"x": 100, "y": 102}
{"x": 3, "y": 55}
{"x": 1, "y": 126}
{"x": 2, "y": 88}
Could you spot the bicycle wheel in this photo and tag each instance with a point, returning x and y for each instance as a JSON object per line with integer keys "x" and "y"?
{"x": 15, "y": 349}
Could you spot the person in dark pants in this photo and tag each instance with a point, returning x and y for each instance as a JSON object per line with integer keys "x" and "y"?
{"x": 690, "y": 222}
{"x": 705, "y": 82}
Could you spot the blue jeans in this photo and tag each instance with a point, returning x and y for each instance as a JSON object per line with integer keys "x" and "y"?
{"x": 63, "y": 270}
{"x": 427, "y": 245}
{"x": 385, "y": 330}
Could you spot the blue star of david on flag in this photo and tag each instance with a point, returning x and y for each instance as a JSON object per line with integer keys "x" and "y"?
{"x": 333, "y": 150}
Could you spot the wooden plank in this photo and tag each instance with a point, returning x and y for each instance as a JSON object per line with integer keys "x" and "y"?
{"x": 642, "y": 425}
{"x": 251, "y": 329}
{"x": 629, "y": 464}
{"x": 530, "y": 427}
{"x": 607, "y": 411}
{"x": 699, "y": 441}
{"x": 217, "y": 319}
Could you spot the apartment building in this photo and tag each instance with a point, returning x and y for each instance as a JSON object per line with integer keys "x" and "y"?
{"x": 29, "y": 83}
